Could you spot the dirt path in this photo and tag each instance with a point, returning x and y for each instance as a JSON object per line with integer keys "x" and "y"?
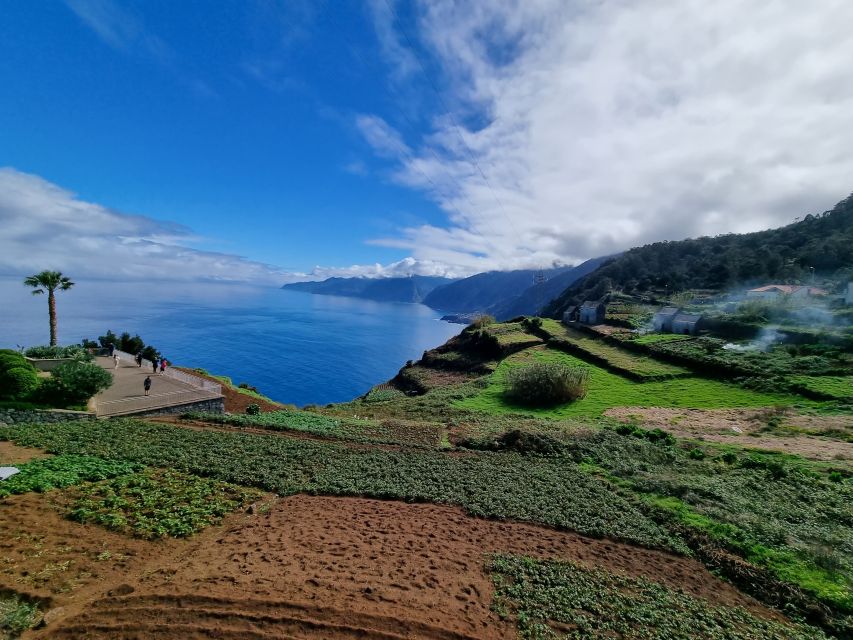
{"x": 747, "y": 428}
{"x": 341, "y": 568}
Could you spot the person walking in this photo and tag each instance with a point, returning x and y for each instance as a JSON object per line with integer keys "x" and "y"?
{"x": 139, "y": 359}
{"x": 112, "y": 349}
{"x": 115, "y": 360}
{"x": 147, "y": 385}
{"x": 154, "y": 365}
{"x": 163, "y": 364}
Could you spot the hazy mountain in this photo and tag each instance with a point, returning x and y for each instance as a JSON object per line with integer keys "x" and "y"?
{"x": 410, "y": 289}
{"x": 535, "y": 297}
{"x": 484, "y": 290}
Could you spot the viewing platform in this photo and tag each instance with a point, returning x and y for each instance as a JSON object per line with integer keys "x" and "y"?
{"x": 172, "y": 391}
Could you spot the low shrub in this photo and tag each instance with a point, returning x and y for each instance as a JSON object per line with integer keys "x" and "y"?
{"x": 545, "y": 384}
{"x": 73, "y": 351}
{"x": 73, "y": 383}
{"x": 480, "y": 322}
{"x": 253, "y": 409}
{"x": 652, "y": 435}
{"x": 696, "y": 454}
{"x": 531, "y": 324}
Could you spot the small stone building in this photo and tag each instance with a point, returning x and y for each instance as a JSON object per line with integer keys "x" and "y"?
{"x": 686, "y": 323}
{"x": 592, "y": 312}
{"x": 570, "y": 315}
{"x": 662, "y": 320}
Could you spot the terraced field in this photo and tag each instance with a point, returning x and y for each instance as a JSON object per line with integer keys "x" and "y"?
{"x": 608, "y": 390}
{"x": 637, "y": 367}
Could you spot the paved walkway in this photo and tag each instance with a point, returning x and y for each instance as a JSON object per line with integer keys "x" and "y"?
{"x": 127, "y": 394}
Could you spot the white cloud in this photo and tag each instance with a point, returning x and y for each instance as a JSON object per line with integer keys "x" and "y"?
{"x": 400, "y": 269}
{"x": 612, "y": 124}
{"x": 46, "y": 227}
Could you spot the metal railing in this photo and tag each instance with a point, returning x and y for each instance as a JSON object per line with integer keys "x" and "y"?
{"x": 181, "y": 376}
{"x": 152, "y": 402}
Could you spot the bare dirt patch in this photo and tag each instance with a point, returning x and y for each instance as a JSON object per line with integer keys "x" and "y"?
{"x": 11, "y": 453}
{"x": 340, "y": 568}
{"x": 747, "y": 428}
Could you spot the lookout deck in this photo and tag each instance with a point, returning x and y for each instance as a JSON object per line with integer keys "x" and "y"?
{"x": 127, "y": 396}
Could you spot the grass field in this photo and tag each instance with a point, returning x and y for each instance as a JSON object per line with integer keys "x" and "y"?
{"x": 633, "y": 365}
{"x": 840, "y": 387}
{"x": 610, "y": 390}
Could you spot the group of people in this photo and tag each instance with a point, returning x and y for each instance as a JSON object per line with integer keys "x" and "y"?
{"x": 158, "y": 364}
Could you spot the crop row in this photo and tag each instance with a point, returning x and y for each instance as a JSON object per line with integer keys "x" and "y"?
{"x": 63, "y": 471}
{"x": 544, "y": 596}
{"x": 153, "y": 504}
{"x": 549, "y": 491}
{"x": 356, "y": 430}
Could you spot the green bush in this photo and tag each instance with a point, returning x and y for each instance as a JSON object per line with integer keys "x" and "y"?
{"x": 18, "y": 378}
{"x": 545, "y": 384}
{"x": 74, "y": 383}
{"x": 18, "y": 383}
{"x": 481, "y": 322}
{"x": 253, "y": 409}
{"x": 74, "y": 351}
{"x": 531, "y": 324}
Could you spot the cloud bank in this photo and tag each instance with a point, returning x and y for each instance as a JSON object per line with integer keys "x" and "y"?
{"x": 605, "y": 125}
{"x": 46, "y": 227}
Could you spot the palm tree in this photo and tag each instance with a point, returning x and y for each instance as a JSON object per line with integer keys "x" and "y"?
{"x": 49, "y": 281}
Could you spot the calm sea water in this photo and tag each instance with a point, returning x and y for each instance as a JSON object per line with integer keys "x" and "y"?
{"x": 294, "y": 347}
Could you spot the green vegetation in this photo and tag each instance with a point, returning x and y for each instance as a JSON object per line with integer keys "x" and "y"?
{"x": 382, "y": 395}
{"x": 16, "y": 616}
{"x": 609, "y": 390}
{"x": 553, "y": 491}
{"x": 612, "y": 357}
{"x": 154, "y": 504}
{"x": 72, "y": 351}
{"x": 73, "y": 383}
{"x": 384, "y": 432}
{"x": 512, "y": 335}
{"x": 18, "y": 378}
{"x": 840, "y": 387}
{"x": 62, "y": 471}
{"x": 705, "y": 352}
{"x": 545, "y": 384}
{"x": 780, "y": 512}
{"x": 553, "y": 599}
{"x": 654, "y": 338}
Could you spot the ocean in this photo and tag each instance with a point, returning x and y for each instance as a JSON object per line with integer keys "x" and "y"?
{"x": 294, "y": 347}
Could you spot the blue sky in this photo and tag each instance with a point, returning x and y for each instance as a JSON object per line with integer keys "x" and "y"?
{"x": 208, "y": 117}
{"x": 387, "y": 137}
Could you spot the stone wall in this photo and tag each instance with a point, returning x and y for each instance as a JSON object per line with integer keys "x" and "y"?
{"x": 215, "y": 405}
{"x": 15, "y": 416}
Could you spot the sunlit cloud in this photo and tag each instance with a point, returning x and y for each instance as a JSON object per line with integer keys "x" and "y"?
{"x": 605, "y": 125}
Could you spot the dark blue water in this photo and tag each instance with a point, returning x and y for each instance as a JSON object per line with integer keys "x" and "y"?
{"x": 294, "y": 347}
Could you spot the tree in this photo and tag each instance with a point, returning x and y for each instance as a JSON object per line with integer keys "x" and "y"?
{"x": 49, "y": 281}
